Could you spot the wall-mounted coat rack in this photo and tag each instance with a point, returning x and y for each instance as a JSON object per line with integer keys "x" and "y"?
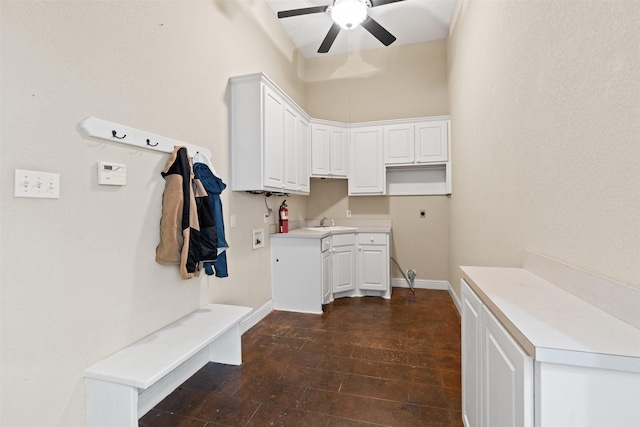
{"x": 114, "y": 132}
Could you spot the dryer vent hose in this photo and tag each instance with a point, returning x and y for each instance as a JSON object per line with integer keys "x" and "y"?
{"x": 410, "y": 273}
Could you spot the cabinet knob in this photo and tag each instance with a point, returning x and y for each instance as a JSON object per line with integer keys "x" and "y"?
{"x": 372, "y": 240}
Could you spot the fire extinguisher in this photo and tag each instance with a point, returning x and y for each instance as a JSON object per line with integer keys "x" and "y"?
{"x": 284, "y": 218}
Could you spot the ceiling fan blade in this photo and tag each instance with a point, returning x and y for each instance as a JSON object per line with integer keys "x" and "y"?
{"x": 303, "y": 11}
{"x": 378, "y": 31}
{"x": 329, "y": 38}
{"x": 375, "y": 3}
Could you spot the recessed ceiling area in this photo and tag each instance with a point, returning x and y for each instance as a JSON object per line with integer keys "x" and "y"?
{"x": 410, "y": 21}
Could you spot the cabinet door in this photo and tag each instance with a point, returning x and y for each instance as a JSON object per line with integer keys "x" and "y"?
{"x": 399, "y": 143}
{"x": 372, "y": 267}
{"x": 344, "y": 262}
{"x": 339, "y": 152}
{"x": 303, "y": 141}
{"x": 273, "y": 140}
{"x": 329, "y": 150}
{"x": 471, "y": 357}
{"x": 326, "y": 277}
{"x": 320, "y": 150}
{"x": 507, "y": 378}
{"x": 290, "y": 149}
{"x": 432, "y": 141}
{"x": 366, "y": 171}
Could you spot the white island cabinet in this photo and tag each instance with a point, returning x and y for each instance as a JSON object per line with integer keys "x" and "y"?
{"x": 534, "y": 354}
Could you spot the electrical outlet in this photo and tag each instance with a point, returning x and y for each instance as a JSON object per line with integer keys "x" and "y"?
{"x": 423, "y": 214}
{"x": 348, "y": 213}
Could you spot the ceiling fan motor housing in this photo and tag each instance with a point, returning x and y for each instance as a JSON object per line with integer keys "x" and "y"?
{"x": 349, "y": 13}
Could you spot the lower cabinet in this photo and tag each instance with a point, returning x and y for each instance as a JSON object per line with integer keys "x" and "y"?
{"x": 471, "y": 314}
{"x": 308, "y": 272}
{"x": 326, "y": 270}
{"x": 507, "y": 376}
{"x": 343, "y": 258}
{"x": 373, "y": 261}
{"x": 581, "y": 366}
{"x": 497, "y": 375}
{"x": 297, "y": 274}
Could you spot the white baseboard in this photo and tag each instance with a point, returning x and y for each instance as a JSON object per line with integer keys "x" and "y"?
{"x": 256, "y": 315}
{"x": 455, "y": 299}
{"x": 441, "y": 285}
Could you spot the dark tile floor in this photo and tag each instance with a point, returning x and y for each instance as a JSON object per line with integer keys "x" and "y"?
{"x": 364, "y": 362}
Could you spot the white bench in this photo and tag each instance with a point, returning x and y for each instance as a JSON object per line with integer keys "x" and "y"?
{"x": 126, "y": 385}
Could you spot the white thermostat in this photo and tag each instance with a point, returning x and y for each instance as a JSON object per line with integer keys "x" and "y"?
{"x": 112, "y": 173}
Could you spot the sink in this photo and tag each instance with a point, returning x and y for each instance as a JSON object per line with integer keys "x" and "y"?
{"x": 331, "y": 228}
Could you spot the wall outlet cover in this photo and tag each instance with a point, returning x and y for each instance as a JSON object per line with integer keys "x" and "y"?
{"x": 258, "y": 238}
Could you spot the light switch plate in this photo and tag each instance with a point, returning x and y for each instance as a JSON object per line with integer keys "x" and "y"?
{"x": 39, "y": 185}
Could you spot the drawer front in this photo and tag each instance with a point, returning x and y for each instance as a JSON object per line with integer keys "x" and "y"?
{"x": 372, "y": 238}
{"x": 343, "y": 239}
{"x": 326, "y": 244}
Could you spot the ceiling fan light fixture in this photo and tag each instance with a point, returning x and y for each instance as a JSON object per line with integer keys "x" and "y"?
{"x": 349, "y": 13}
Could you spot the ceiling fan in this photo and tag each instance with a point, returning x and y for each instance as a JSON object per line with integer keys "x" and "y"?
{"x": 347, "y": 14}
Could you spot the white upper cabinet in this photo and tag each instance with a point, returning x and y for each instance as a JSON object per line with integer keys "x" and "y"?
{"x": 329, "y": 148}
{"x": 432, "y": 141}
{"x": 269, "y": 138}
{"x": 273, "y": 141}
{"x": 277, "y": 147}
{"x": 366, "y": 170}
{"x": 304, "y": 160}
{"x": 399, "y": 144}
{"x": 411, "y": 143}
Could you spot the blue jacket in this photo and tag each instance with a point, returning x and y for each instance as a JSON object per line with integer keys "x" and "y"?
{"x": 214, "y": 187}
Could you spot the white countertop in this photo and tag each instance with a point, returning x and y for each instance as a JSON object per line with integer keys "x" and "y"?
{"x": 358, "y": 226}
{"x": 551, "y": 324}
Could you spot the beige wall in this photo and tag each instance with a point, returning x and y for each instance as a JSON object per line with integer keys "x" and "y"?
{"x": 391, "y": 83}
{"x": 545, "y": 99}
{"x": 78, "y": 276}
{"x": 419, "y": 244}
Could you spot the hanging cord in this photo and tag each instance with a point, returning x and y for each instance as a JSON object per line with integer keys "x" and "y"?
{"x": 411, "y": 273}
{"x": 269, "y": 210}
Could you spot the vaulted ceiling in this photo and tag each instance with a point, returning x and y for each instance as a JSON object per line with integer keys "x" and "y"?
{"x": 410, "y": 21}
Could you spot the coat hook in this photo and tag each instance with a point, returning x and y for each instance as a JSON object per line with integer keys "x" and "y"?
{"x": 152, "y": 145}
{"x": 113, "y": 132}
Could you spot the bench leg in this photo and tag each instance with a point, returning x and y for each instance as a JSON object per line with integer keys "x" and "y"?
{"x": 227, "y": 348}
{"x": 110, "y": 405}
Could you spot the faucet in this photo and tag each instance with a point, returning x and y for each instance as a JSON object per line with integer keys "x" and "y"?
{"x": 324, "y": 218}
